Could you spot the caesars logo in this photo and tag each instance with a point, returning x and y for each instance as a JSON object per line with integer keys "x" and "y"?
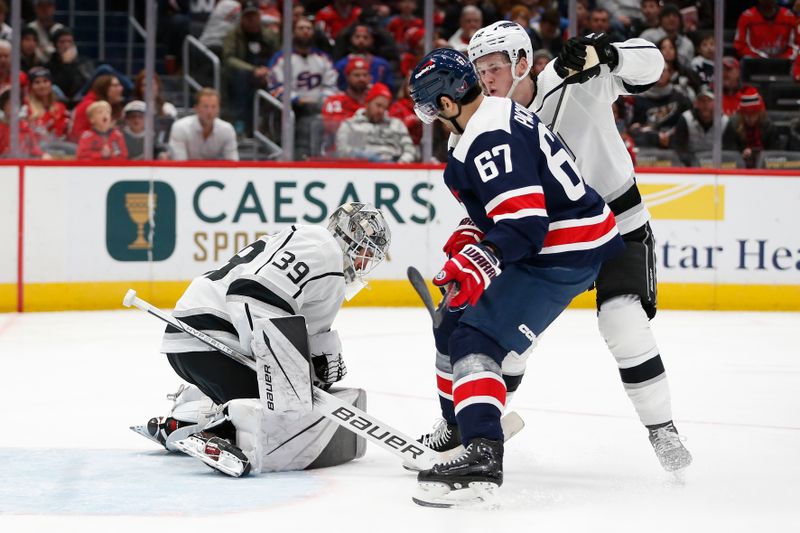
{"x": 140, "y": 222}
{"x": 684, "y": 201}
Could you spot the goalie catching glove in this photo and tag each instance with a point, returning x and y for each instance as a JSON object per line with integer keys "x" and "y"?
{"x": 472, "y": 270}
{"x": 466, "y": 233}
{"x": 573, "y": 57}
{"x": 326, "y": 358}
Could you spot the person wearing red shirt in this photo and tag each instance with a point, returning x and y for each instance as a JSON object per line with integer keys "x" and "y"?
{"x": 341, "y": 106}
{"x": 335, "y": 17}
{"x": 767, "y": 30}
{"x": 732, "y": 86}
{"x": 106, "y": 87}
{"x": 403, "y": 108}
{"x": 47, "y": 116}
{"x": 101, "y": 141}
{"x": 28, "y": 146}
{"x": 399, "y": 25}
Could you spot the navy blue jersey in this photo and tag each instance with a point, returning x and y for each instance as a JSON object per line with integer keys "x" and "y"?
{"x": 522, "y": 189}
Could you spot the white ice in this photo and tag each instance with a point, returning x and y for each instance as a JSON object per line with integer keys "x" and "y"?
{"x": 72, "y": 383}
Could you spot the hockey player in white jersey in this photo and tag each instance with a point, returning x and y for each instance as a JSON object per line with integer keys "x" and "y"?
{"x": 626, "y": 286}
{"x": 303, "y": 270}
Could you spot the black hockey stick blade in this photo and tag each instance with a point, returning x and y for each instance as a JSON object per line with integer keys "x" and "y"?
{"x": 421, "y": 288}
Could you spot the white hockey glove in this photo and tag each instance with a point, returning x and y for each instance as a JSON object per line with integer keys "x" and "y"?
{"x": 326, "y": 358}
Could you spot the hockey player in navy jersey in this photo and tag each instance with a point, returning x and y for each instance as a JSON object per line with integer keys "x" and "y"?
{"x": 626, "y": 285}
{"x": 545, "y": 235}
{"x": 301, "y": 270}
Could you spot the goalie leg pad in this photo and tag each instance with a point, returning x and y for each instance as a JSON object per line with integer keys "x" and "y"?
{"x": 279, "y": 443}
{"x": 626, "y": 329}
{"x": 283, "y": 371}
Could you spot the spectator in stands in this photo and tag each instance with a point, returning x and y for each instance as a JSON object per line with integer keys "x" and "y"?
{"x": 703, "y": 63}
{"x": 622, "y": 13}
{"x": 336, "y": 16}
{"x": 5, "y": 65}
{"x": 204, "y": 135}
{"x": 373, "y": 135}
{"x": 314, "y": 81}
{"x": 404, "y": 20}
{"x": 454, "y": 10}
{"x": 220, "y": 23}
{"x": 470, "y": 21}
{"x": 28, "y": 145}
{"x": 540, "y": 60}
{"x": 647, "y": 18}
{"x": 549, "y": 36}
{"x": 415, "y": 50}
{"x": 383, "y": 44}
{"x": 619, "y": 119}
{"x": 522, "y": 16}
{"x": 749, "y": 130}
{"x": 28, "y": 46}
{"x": 339, "y": 107}
{"x": 101, "y": 141}
{"x": 362, "y": 45}
{"x": 5, "y": 29}
{"x": 656, "y": 112}
{"x": 403, "y": 109}
{"x": 165, "y": 112}
{"x": 600, "y": 22}
{"x": 133, "y": 132}
{"x": 582, "y": 9}
{"x": 163, "y": 108}
{"x": 45, "y": 25}
{"x": 105, "y": 87}
{"x": 767, "y": 30}
{"x": 47, "y": 117}
{"x": 684, "y": 78}
{"x": 246, "y": 51}
{"x": 670, "y": 25}
{"x": 694, "y": 131}
{"x": 732, "y": 86}
{"x": 70, "y": 71}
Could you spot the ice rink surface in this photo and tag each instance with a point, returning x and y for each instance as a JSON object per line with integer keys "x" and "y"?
{"x": 72, "y": 383}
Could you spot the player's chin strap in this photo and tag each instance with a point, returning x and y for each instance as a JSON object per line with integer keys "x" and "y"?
{"x": 452, "y": 120}
{"x": 516, "y": 79}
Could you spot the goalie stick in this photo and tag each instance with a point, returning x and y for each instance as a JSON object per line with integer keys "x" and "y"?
{"x": 327, "y": 405}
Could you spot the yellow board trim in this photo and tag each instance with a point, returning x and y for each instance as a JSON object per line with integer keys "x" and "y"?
{"x": 392, "y": 293}
{"x": 8, "y": 297}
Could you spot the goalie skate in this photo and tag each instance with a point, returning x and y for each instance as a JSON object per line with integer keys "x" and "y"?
{"x": 216, "y": 452}
{"x": 669, "y": 448}
{"x": 446, "y": 439}
{"x": 158, "y": 429}
{"x": 471, "y": 479}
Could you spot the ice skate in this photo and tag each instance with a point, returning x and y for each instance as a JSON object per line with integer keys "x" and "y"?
{"x": 470, "y": 479}
{"x": 446, "y": 439}
{"x": 218, "y": 453}
{"x": 669, "y": 447}
{"x": 158, "y": 429}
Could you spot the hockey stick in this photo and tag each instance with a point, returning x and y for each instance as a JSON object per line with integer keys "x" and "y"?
{"x": 421, "y": 288}
{"x": 327, "y": 405}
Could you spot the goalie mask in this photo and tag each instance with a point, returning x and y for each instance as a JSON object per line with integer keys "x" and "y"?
{"x": 361, "y": 231}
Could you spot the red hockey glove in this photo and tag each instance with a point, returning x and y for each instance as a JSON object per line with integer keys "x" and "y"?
{"x": 466, "y": 233}
{"x": 472, "y": 271}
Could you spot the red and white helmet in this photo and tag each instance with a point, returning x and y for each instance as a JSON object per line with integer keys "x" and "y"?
{"x": 507, "y": 37}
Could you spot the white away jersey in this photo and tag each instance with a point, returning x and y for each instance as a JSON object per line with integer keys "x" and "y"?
{"x": 298, "y": 271}
{"x": 588, "y": 129}
{"x": 314, "y": 76}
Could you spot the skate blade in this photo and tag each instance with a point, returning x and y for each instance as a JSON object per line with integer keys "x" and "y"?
{"x": 186, "y": 447}
{"x": 477, "y": 495}
{"x": 142, "y": 430}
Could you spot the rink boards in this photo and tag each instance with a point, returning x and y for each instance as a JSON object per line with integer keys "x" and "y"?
{"x": 77, "y": 237}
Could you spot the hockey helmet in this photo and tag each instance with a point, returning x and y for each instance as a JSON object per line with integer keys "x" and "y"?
{"x": 507, "y": 37}
{"x": 364, "y": 236}
{"x": 443, "y": 72}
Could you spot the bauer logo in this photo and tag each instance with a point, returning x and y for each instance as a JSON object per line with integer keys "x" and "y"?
{"x": 684, "y": 201}
{"x": 140, "y": 221}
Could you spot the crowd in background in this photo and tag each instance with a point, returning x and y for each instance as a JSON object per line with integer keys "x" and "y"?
{"x": 351, "y": 61}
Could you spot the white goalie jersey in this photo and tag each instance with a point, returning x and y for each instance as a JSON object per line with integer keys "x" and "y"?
{"x": 589, "y": 131}
{"x": 298, "y": 271}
